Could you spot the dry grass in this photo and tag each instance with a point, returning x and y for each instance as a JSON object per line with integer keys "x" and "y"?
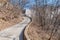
{"x": 9, "y": 15}
{"x": 35, "y": 33}
{"x": 44, "y": 27}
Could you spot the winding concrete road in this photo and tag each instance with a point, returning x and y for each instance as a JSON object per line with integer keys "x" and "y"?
{"x": 15, "y": 32}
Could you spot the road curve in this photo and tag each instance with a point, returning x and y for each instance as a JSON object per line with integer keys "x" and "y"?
{"x": 15, "y": 32}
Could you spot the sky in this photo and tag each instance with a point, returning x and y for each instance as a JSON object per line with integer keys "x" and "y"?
{"x": 32, "y": 2}
{"x": 49, "y": 2}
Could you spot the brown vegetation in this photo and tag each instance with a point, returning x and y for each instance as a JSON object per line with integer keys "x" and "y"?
{"x": 45, "y": 24}
{"x": 9, "y": 15}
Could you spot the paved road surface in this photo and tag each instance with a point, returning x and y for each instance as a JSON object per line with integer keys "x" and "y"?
{"x": 15, "y": 32}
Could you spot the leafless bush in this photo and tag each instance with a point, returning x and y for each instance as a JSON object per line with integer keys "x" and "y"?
{"x": 9, "y": 11}
{"x": 48, "y": 17}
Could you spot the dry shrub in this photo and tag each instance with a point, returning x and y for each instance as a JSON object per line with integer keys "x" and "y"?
{"x": 9, "y": 12}
{"x": 47, "y": 20}
{"x": 9, "y": 15}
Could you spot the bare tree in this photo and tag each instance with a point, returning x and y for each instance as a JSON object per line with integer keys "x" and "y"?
{"x": 47, "y": 17}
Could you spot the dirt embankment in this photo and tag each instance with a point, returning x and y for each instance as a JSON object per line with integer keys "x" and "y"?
{"x": 9, "y": 15}
{"x": 35, "y": 32}
{"x": 43, "y": 28}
